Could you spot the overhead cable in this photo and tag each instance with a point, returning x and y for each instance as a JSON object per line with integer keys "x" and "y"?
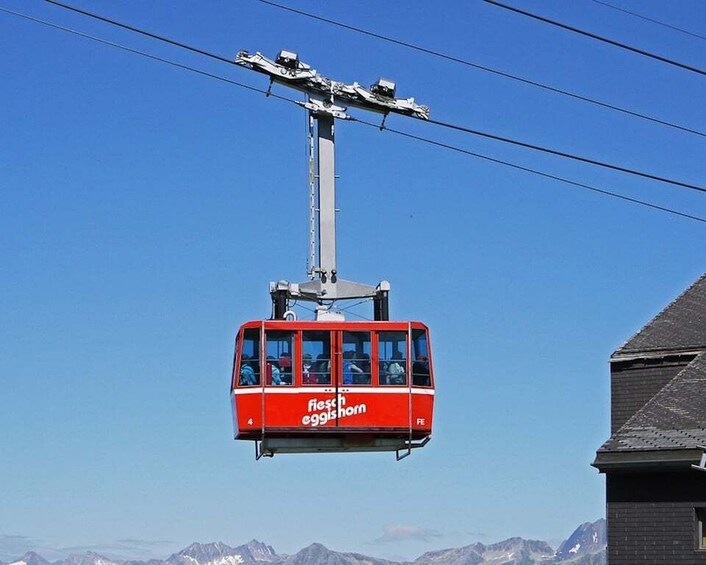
{"x": 566, "y": 155}
{"x": 385, "y": 128}
{"x": 141, "y": 31}
{"x": 396, "y": 41}
{"x": 491, "y": 70}
{"x": 599, "y": 38}
{"x": 532, "y": 171}
{"x": 147, "y": 55}
{"x": 436, "y": 122}
{"x": 664, "y": 24}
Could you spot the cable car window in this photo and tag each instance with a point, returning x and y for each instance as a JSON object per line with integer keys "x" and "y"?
{"x": 249, "y": 370}
{"x": 316, "y": 358}
{"x": 279, "y": 348}
{"x": 356, "y": 358}
{"x": 392, "y": 349}
{"x": 421, "y": 375}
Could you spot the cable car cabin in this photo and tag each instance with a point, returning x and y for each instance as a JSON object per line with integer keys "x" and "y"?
{"x": 313, "y": 386}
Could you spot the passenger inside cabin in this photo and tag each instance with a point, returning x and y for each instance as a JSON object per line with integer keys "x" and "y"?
{"x": 364, "y": 364}
{"x": 395, "y": 370}
{"x": 420, "y": 371}
{"x": 308, "y": 374}
{"x": 247, "y": 374}
{"x": 350, "y": 368}
{"x": 322, "y": 369}
{"x": 274, "y": 375}
{"x": 285, "y": 367}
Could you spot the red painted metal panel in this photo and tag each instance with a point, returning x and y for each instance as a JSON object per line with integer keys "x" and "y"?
{"x": 305, "y": 410}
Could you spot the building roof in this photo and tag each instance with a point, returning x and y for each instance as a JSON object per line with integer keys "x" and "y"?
{"x": 674, "y": 419}
{"x": 681, "y": 326}
{"x": 670, "y": 429}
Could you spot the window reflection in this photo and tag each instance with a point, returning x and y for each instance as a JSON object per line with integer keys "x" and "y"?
{"x": 279, "y": 349}
{"x": 392, "y": 349}
{"x": 356, "y": 358}
{"x": 316, "y": 358}
{"x": 249, "y": 370}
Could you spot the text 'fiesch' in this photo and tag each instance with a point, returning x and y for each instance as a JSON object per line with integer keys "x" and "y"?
{"x": 319, "y": 412}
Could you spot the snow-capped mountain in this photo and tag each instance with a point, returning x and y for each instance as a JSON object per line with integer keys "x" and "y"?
{"x": 30, "y": 558}
{"x": 221, "y": 554}
{"x": 587, "y": 539}
{"x": 513, "y": 551}
{"x": 88, "y": 558}
{"x": 586, "y": 546}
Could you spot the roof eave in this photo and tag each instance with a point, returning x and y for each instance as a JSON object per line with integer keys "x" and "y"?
{"x": 654, "y": 354}
{"x": 671, "y": 459}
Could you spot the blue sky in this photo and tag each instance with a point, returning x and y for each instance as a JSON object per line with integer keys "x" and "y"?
{"x": 144, "y": 210}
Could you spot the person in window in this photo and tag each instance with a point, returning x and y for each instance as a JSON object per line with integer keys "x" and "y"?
{"x": 247, "y": 374}
{"x": 395, "y": 372}
{"x": 364, "y": 363}
{"x": 350, "y": 368}
{"x": 274, "y": 375}
{"x": 322, "y": 369}
{"x": 308, "y": 374}
{"x": 420, "y": 371}
{"x": 285, "y": 367}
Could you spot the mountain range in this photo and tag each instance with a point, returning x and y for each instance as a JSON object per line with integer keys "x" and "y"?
{"x": 585, "y": 546}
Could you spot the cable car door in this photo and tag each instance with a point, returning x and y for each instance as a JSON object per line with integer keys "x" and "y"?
{"x": 374, "y": 393}
{"x": 278, "y": 377}
{"x": 316, "y": 407}
{"x": 393, "y": 406}
{"x": 353, "y": 354}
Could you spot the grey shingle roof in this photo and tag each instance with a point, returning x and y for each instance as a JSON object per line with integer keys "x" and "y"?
{"x": 680, "y": 326}
{"x": 675, "y": 418}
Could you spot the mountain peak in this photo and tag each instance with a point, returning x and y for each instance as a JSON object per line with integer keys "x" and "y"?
{"x": 317, "y": 546}
{"x": 30, "y": 558}
{"x": 318, "y": 554}
{"x": 512, "y": 551}
{"x": 589, "y": 537}
{"x": 88, "y": 558}
{"x": 218, "y": 553}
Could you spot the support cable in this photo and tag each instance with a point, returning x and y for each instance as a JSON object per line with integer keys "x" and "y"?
{"x": 664, "y": 24}
{"x": 436, "y": 122}
{"x": 566, "y": 155}
{"x": 141, "y": 32}
{"x": 360, "y": 316}
{"x": 356, "y": 304}
{"x": 374, "y": 125}
{"x": 147, "y": 55}
{"x": 491, "y": 70}
{"x": 533, "y": 171}
{"x": 599, "y": 38}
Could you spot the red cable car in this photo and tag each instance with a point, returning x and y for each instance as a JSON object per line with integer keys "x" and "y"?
{"x": 312, "y": 386}
{"x": 330, "y": 385}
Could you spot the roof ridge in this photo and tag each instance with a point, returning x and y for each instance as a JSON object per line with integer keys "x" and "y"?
{"x": 658, "y": 317}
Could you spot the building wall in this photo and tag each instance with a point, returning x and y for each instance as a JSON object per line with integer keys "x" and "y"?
{"x": 633, "y": 383}
{"x": 651, "y": 517}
